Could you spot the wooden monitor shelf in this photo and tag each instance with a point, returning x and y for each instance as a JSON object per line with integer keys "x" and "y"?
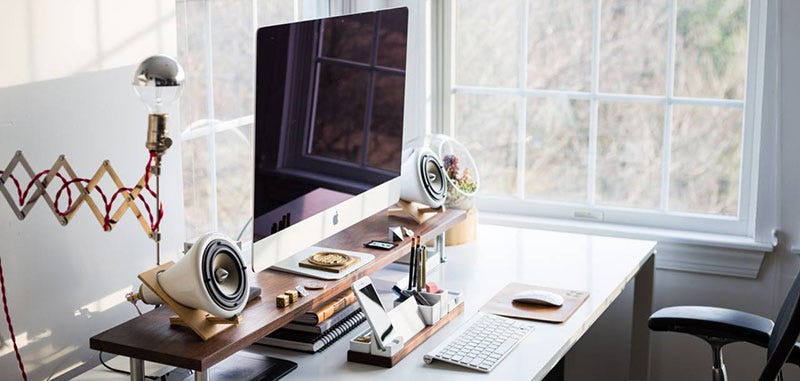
{"x": 150, "y": 337}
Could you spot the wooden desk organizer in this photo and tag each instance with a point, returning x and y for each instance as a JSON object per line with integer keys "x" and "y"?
{"x": 389, "y": 357}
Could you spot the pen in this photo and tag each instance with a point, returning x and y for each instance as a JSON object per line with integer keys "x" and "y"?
{"x": 424, "y": 265}
{"x": 421, "y": 299}
{"x": 416, "y": 262}
{"x": 420, "y": 264}
{"x": 398, "y": 292}
{"x": 411, "y": 266}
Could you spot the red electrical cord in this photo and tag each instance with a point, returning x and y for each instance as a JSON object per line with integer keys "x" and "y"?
{"x": 155, "y": 223}
{"x": 10, "y": 326}
{"x": 107, "y": 203}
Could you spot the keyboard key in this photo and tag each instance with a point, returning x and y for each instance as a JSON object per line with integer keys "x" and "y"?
{"x": 503, "y": 348}
{"x": 481, "y": 342}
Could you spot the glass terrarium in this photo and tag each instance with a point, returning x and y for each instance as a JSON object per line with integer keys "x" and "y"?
{"x": 462, "y": 173}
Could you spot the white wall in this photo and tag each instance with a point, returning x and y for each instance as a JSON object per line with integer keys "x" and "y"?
{"x": 71, "y": 70}
{"x": 47, "y": 39}
{"x": 603, "y": 353}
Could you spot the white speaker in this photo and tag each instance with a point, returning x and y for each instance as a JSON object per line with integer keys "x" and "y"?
{"x": 210, "y": 277}
{"x": 422, "y": 177}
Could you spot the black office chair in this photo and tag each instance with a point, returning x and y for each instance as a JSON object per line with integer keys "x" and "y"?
{"x": 720, "y": 326}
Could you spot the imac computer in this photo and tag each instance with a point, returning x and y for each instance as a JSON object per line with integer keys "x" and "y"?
{"x": 328, "y": 127}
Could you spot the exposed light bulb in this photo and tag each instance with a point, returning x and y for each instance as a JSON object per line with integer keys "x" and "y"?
{"x": 158, "y": 82}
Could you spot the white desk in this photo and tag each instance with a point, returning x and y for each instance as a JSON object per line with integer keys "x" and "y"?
{"x": 600, "y": 265}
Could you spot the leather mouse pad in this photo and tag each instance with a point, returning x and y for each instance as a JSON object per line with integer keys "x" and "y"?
{"x": 502, "y": 304}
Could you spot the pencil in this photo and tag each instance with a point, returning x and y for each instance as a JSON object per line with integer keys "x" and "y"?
{"x": 411, "y": 266}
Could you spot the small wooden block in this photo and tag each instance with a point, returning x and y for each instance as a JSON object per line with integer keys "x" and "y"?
{"x": 292, "y": 294}
{"x": 282, "y": 300}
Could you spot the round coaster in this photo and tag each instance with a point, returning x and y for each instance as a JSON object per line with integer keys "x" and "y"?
{"x": 314, "y": 286}
{"x": 327, "y": 258}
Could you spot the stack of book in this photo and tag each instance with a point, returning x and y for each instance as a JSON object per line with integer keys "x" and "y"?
{"x": 315, "y": 330}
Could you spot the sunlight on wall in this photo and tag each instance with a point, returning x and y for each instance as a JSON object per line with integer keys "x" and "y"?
{"x": 111, "y": 300}
{"x": 68, "y": 369}
{"x": 49, "y": 39}
{"x": 22, "y": 341}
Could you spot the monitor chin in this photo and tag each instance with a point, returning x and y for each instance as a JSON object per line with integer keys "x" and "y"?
{"x": 274, "y": 248}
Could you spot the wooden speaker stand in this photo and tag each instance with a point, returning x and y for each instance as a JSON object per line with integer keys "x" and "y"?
{"x": 204, "y": 325}
{"x": 418, "y": 212}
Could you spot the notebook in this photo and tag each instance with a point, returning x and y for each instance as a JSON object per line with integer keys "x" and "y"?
{"x": 324, "y": 326}
{"x": 312, "y": 342}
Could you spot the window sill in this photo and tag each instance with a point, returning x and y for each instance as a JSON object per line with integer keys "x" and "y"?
{"x": 706, "y": 253}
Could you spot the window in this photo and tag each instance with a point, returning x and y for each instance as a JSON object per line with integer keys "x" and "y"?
{"x": 624, "y": 111}
{"x": 358, "y": 71}
{"x": 216, "y": 49}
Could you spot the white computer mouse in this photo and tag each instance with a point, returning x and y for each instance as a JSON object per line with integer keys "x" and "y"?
{"x": 540, "y": 297}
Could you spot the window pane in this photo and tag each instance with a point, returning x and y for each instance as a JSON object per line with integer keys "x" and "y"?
{"x": 349, "y": 38}
{"x": 271, "y": 12}
{"x": 192, "y": 48}
{"x": 392, "y": 40}
{"x": 711, "y": 48}
{"x": 557, "y": 146}
{"x": 629, "y": 146}
{"x": 560, "y": 44}
{"x": 487, "y": 42}
{"x": 342, "y": 94}
{"x": 633, "y": 40}
{"x": 386, "y": 127}
{"x": 487, "y": 126}
{"x": 234, "y": 179}
{"x": 233, "y": 51}
{"x": 234, "y": 163}
{"x": 705, "y": 159}
{"x": 196, "y": 186}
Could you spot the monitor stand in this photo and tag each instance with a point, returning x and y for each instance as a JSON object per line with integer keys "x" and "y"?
{"x": 248, "y": 366}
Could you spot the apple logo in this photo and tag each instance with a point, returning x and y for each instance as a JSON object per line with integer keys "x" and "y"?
{"x": 336, "y": 218}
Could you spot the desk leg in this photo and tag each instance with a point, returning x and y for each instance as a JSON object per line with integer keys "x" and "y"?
{"x": 203, "y": 376}
{"x": 137, "y": 369}
{"x": 440, "y": 248}
{"x": 640, "y": 334}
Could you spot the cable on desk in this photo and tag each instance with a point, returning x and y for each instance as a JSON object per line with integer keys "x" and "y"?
{"x": 109, "y": 367}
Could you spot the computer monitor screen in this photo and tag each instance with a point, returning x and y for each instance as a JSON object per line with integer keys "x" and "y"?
{"x": 328, "y": 125}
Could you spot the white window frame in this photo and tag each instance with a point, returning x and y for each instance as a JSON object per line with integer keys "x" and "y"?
{"x": 209, "y": 128}
{"x": 741, "y": 225}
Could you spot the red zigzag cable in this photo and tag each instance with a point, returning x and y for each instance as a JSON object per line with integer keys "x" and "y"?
{"x": 85, "y": 187}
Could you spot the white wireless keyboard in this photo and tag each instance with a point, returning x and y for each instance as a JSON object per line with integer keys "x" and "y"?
{"x": 481, "y": 342}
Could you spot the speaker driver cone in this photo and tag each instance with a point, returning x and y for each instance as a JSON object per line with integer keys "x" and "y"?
{"x": 223, "y": 273}
{"x": 432, "y": 177}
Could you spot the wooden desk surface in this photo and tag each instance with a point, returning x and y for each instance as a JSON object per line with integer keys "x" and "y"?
{"x": 150, "y": 337}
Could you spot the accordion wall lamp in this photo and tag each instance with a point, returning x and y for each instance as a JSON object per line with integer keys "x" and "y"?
{"x": 208, "y": 287}
{"x": 158, "y": 82}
